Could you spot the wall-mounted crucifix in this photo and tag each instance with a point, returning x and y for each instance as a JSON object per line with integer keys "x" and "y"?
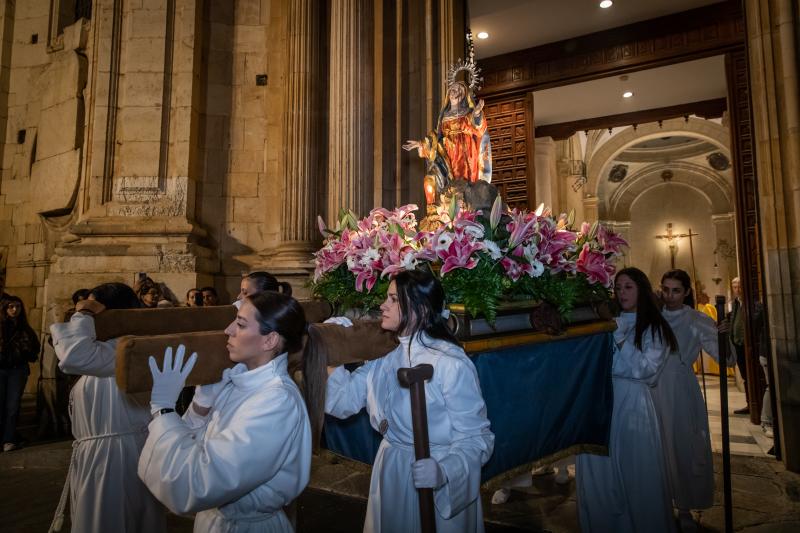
{"x": 672, "y": 239}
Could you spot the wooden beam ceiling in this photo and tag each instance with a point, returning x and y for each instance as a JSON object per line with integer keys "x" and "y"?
{"x": 704, "y": 109}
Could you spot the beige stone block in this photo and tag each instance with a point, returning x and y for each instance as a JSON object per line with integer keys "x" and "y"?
{"x": 242, "y": 185}
{"x": 219, "y": 99}
{"x": 60, "y": 129}
{"x": 19, "y": 276}
{"x": 220, "y": 68}
{"x": 39, "y": 251}
{"x": 248, "y": 13}
{"x": 265, "y": 11}
{"x": 142, "y": 89}
{"x": 143, "y": 55}
{"x": 39, "y": 276}
{"x": 138, "y": 158}
{"x": 58, "y": 175}
{"x": 250, "y": 39}
{"x": 248, "y": 210}
{"x": 24, "y": 54}
{"x": 34, "y": 233}
{"x": 251, "y": 101}
{"x": 179, "y": 154}
{"x": 24, "y": 253}
{"x": 216, "y": 165}
{"x": 255, "y": 64}
{"x": 137, "y": 124}
{"x": 235, "y": 237}
{"x": 255, "y": 132}
{"x": 220, "y": 37}
{"x": 148, "y": 22}
{"x": 64, "y": 79}
{"x": 222, "y": 12}
{"x": 246, "y": 161}
{"x": 15, "y": 190}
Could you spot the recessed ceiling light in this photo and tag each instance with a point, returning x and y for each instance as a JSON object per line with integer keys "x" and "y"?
{"x": 605, "y": 4}
{"x": 627, "y": 94}
{"x": 483, "y": 35}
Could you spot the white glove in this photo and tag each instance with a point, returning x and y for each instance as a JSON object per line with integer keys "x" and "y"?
{"x": 340, "y": 320}
{"x": 427, "y": 474}
{"x": 167, "y": 385}
{"x": 204, "y": 395}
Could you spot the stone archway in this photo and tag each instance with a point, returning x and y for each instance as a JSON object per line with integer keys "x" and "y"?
{"x": 706, "y": 182}
{"x": 605, "y": 153}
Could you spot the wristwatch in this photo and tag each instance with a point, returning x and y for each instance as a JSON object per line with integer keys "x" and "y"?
{"x": 163, "y": 411}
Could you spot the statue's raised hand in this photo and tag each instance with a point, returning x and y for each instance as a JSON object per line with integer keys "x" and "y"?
{"x": 414, "y": 145}
{"x": 478, "y": 108}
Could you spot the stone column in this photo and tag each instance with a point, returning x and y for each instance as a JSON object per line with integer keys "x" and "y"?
{"x": 546, "y": 173}
{"x": 350, "y": 128}
{"x": 773, "y": 71}
{"x": 301, "y": 129}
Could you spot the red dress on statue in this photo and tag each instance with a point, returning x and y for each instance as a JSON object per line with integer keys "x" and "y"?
{"x": 461, "y": 137}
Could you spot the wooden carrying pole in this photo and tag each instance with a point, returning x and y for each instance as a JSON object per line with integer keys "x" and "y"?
{"x": 414, "y": 379}
{"x": 722, "y": 339}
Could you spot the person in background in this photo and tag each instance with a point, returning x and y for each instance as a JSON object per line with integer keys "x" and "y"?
{"x": 257, "y": 282}
{"x": 628, "y": 491}
{"x": 242, "y": 451}
{"x": 737, "y": 324}
{"x": 191, "y": 300}
{"x": 461, "y": 440}
{"x": 109, "y": 426}
{"x": 209, "y": 296}
{"x": 19, "y": 346}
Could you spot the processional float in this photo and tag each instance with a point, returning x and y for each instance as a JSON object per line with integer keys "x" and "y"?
{"x": 528, "y": 353}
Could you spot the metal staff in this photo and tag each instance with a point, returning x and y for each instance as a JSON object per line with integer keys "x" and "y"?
{"x": 722, "y": 339}
{"x": 414, "y": 379}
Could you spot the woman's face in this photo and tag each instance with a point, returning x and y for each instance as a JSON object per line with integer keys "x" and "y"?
{"x": 246, "y": 288}
{"x": 390, "y": 310}
{"x": 673, "y": 293}
{"x": 627, "y": 293}
{"x": 246, "y": 344}
{"x": 151, "y": 297}
{"x": 13, "y": 310}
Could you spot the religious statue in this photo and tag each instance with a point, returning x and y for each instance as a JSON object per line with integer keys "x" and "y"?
{"x": 459, "y": 149}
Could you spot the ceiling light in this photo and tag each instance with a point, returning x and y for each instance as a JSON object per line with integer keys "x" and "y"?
{"x": 483, "y": 35}
{"x": 605, "y": 4}
{"x": 627, "y": 94}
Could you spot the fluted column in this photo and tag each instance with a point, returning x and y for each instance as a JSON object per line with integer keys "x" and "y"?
{"x": 775, "y": 85}
{"x": 303, "y": 162}
{"x": 350, "y": 128}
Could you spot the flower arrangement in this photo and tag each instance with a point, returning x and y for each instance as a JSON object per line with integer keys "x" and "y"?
{"x": 481, "y": 260}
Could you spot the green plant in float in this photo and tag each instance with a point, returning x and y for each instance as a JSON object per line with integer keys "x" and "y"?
{"x": 482, "y": 261}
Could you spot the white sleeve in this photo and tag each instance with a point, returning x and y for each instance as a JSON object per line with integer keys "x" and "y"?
{"x": 346, "y": 392}
{"x": 473, "y": 440}
{"x": 644, "y": 364}
{"x": 189, "y": 474}
{"x": 79, "y": 351}
{"x": 706, "y": 330}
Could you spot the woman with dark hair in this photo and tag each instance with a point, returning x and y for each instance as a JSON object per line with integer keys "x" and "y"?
{"x": 19, "y": 345}
{"x": 460, "y": 438}
{"x": 242, "y": 451}
{"x": 677, "y": 398}
{"x": 627, "y": 490}
{"x": 109, "y": 426}
{"x": 257, "y": 282}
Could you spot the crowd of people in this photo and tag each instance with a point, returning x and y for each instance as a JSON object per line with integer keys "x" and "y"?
{"x": 241, "y": 451}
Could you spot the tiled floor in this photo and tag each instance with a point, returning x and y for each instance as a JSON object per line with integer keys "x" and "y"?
{"x": 746, "y": 438}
